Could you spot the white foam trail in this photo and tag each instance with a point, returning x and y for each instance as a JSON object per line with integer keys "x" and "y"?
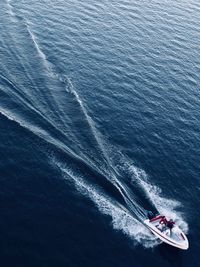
{"x": 90, "y": 121}
{"x": 7, "y": 115}
{"x": 34, "y": 129}
{"x": 164, "y": 205}
{"x": 38, "y": 131}
{"x": 97, "y": 135}
{"x": 121, "y": 218}
{"x": 47, "y": 64}
{"x": 41, "y": 133}
{"x": 10, "y": 8}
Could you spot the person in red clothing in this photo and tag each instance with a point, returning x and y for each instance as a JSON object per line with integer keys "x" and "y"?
{"x": 162, "y": 223}
{"x": 163, "y": 220}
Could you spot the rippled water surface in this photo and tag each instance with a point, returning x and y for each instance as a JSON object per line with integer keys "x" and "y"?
{"x": 99, "y": 116}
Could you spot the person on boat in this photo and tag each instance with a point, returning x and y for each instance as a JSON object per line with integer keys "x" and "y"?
{"x": 168, "y": 227}
{"x": 162, "y": 223}
{"x": 163, "y": 220}
{"x": 170, "y": 224}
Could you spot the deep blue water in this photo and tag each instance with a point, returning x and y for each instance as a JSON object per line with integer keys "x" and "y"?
{"x": 99, "y": 119}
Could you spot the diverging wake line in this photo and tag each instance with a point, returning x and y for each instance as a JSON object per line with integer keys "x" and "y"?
{"x": 127, "y": 217}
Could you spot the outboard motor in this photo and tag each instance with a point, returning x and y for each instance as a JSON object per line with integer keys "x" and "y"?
{"x": 150, "y": 215}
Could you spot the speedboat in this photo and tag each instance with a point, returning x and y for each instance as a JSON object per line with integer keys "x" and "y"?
{"x": 174, "y": 236}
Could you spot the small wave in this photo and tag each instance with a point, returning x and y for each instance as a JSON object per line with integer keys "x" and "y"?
{"x": 121, "y": 218}
{"x": 10, "y": 8}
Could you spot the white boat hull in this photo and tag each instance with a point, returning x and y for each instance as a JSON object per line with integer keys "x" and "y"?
{"x": 175, "y": 237}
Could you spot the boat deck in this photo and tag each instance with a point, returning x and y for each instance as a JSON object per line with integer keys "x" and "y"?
{"x": 174, "y": 233}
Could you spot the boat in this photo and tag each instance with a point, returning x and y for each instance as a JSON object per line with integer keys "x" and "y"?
{"x": 173, "y": 236}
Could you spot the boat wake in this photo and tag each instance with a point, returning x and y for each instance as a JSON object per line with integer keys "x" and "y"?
{"x": 122, "y": 219}
{"x": 54, "y": 111}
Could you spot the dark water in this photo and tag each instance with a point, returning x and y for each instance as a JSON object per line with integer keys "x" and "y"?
{"x": 99, "y": 117}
